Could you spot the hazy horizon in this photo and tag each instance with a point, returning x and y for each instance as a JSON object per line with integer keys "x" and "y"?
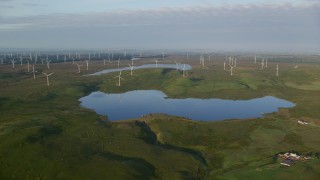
{"x": 229, "y": 25}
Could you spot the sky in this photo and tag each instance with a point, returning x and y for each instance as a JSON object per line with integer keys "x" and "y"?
{"x": 248, "y": 25}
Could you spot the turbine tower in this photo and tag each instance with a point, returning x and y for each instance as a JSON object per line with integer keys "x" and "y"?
{"x": 48, "y": 63}
{"x": 177, "y": 65}
{"x": 79, "y": 66}
{"x": 262, "y": 63}
{"x": 87, "y": 62}
{"x": 119, "y": 78}
{"x": 13, "y": 61}
{"x": 131, "y": 68}
{"x": 155, "y": 60}
{"x": 47, "y": 77}
{"x": 277, "y": 74}
{"x": 28, "y": 66}
{"x": 183, "y": 70}
{"x": 34, "y": 72}
{"x": 21, "y": 60}
{"x": 232, "y": 65}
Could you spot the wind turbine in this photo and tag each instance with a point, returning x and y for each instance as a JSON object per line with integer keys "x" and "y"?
{"x": 155, "y": 60}
{"x": 118, "y": 62}
{"x": 131, "y": 68}
{"x": 57, "y": 57}
{"x": 87, "y": 62}
{"x": 255, "y": 59}
{"x": 72, "y": 60}
{"x": 34, "y": 72}
{"x": 277, "y": 74}
{"x": 13, "y": 61}
{"x": 183, "y": 70}
{"x": 47, "y": 77}
{"x": 119, "y": 78}
{"x": 262, "y": 63}
{"x": 28, "y": 66}
{"x": 104, "y": 62}
{"x": 21, "y": 60}
{"x": 48, "y": 63}
{"x": 266, "y": 62}
{"x": 202, "y": 61}
{"x": 231, "y": 67}
{"x": 79, "y": 65}
{"x": 177, "y": 65}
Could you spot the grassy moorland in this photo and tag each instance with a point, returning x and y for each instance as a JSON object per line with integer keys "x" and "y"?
{"x": 45, "y": 134}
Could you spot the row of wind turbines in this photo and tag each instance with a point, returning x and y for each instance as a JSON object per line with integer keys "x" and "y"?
{"x": 76, "y": 59}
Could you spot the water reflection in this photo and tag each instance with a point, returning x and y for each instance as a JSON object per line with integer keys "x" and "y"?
{"x": 145, "y": 66}
{"x": 134, "y": 104}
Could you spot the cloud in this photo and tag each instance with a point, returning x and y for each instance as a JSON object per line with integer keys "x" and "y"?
{"x": 259, "y": 14}
{"x": 228, "y": 25}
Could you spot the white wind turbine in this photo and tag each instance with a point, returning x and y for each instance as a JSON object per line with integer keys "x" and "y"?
{"x": 119, "y": 78}
{"x": 47, "y": 77}
{"x": 266, "y": 62}
{"x": 277, "y": 74}
{"x": 21, "y": 60}
{"x": 183, "y": 70}
{"x": 87, "y": 62}
{"x": 79, "y": 67}
{"x": 231, "y": 67}
{"x": 28, "y": 66}
{"x": 155, "y": 60}
{"x": 34, "y": 72}
{"x": 57, "y": 57}
{"x": 104, "y": 62}
{"x": 131, "y": 68}
{"x": 262, "y": 63}
{"x": 255, "y": 59}
{"x": 13, "y": 61}
{"x": 72, "y": 60}
{"x": 177, "y": 65}
{"x": 48, "y": 63}
{"x": 202, "y": 61}
{"x": 224, "y": 65}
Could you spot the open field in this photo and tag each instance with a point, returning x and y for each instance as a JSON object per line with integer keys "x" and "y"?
{"x": 45, "y": 134}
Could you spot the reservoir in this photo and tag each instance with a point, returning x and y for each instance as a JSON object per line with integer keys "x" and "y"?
{"x": 134, "y": 104}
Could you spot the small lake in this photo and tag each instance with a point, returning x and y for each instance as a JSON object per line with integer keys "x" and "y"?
{"x": 134, "y": 104}
{"x": 145, "y": 66}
